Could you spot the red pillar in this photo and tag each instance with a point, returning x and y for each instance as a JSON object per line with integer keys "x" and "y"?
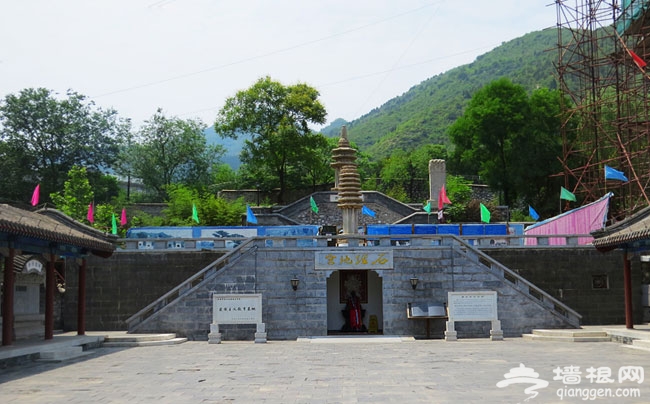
{"x": 8, "y": 300}
{"x": 627, "y": 280}
{"x": 49, "y": 298}
{"x": 81, "y": 299}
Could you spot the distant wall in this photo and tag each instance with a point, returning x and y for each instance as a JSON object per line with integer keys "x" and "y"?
{"x": 121, "y": 285}
{"x": 574, "y": 276}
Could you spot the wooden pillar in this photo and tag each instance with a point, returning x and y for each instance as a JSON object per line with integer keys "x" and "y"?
{"x": 8, "y": 300}
{"x": 627, "y": 281}
{"x": 81, "y": 300}
{"x": 49, "y": 298}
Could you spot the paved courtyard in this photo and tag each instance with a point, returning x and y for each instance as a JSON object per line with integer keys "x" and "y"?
{"x": 340, "y": 371}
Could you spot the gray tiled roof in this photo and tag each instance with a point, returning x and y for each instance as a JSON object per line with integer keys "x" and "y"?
{"x": 633, "y": 229}
{"x": 52, "y": 225}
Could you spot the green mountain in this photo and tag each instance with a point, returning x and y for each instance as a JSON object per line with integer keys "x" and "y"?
{"x": 423, "y": 113}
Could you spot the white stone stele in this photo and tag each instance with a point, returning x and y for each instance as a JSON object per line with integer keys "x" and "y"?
{"x": 236, "y": 309}
{"x": 473, "y": 306}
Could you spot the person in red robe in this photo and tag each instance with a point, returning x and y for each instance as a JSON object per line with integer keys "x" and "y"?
{"x": 354, "y": 312}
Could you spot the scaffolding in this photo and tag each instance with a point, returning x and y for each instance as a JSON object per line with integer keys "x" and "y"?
{"x": 601, "y": 69}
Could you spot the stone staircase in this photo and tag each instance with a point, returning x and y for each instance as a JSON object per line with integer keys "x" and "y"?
{"x": 138, "y": 340}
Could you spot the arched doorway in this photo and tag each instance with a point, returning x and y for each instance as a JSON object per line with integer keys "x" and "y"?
{"x": 367, "y": 285}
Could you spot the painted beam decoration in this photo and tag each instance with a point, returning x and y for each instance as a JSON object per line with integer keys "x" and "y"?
{"x": 353, "y": 259}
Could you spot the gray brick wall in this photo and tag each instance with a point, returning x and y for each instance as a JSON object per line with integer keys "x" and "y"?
{"x": 126, "y": 282}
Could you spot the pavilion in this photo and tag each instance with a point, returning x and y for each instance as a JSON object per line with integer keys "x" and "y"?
{"x": 633, "y": 236}
{"x": 30, "y": 241}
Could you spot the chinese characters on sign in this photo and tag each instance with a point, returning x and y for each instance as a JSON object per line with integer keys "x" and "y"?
{"x": 571, "y": 377}
{"x": 354, "y": 260}
{"x": 234, "y": 309}
{"x": 602, "y": 374}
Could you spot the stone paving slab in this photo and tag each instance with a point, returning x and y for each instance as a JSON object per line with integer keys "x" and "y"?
{"x": 422, "y": 371}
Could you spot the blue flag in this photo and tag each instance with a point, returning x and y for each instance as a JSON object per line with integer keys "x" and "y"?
{"x": 367, "y": 211}
{"x": 533, "y": 213}
{"x": 613, "y": 174}
{"x": 250, "y": 216}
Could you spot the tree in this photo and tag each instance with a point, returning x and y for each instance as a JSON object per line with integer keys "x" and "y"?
{"x": 76, "y": 196}
{"x": 212, "y": 210}
{"x": 43, "y": 136}
{"x": 276, "y": 118}
{"x": 171, "y": 150}
{"x": 509, "y": 139}
{"x": 406, "y": 173}
{"x": 314, "y": 164}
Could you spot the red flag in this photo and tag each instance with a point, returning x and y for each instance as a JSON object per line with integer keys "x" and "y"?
{"x": 123, "y": 218}
{"x": 90, "y": 216}
{"x": 36, "y": 195}
{"x": 442, "y": 198}
{"x": 639, "y": 62}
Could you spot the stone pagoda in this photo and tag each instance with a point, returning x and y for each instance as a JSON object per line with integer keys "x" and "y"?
{"x": 347, "y": 183}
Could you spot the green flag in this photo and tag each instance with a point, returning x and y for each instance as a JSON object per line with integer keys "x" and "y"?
{"x": 427, "y": 207}
{"x": 114, "y": 225}
{"x": 485, "y": 214}
{"x": 314, "y": 207}
{"x": 195, "y": 214}
{"x": 565, "y": 194}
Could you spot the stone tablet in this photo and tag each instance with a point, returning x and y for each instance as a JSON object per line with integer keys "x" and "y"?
{"x": 236, "y": 309}
{"x": 473, "y": 306}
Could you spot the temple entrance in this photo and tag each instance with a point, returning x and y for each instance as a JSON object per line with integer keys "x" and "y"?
{"x": 354, "y": 302}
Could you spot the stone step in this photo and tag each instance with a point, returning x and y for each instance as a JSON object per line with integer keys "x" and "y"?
{"x": 641, "y": 343}
{"x": 560, "y": 338}
{"x": 138, "y": 337}
{"x": 577, "y": 333}
{"x": 62, "y": 354}
{"x": 143, "y": 340}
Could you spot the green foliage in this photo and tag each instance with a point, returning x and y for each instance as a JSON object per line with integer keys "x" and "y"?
{"x": 487, "y": 133}
{"x": 42, "y": 136}
{"x": 459, "y": 192}
{"x": 509, "y": 139}
{"x": 276, "y": 118}
{"x": 404, "y": 174}
{"x": 212, "y": 210}
{"x": 313, "y": 166}
{"x": 170, "y": 151}
{"x": 423, "y": 114}
{"x": 224, "y": 177}
{"x": 76, "y": 196}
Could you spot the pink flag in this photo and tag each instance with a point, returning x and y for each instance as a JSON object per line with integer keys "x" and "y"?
{"x": 123, "y": 218}
{"x": 442, "y": 198}
{"x": 36, "y": 195}
{"x": 90, "y": 216}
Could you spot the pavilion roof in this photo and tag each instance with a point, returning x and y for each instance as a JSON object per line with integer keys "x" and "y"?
{"x": 633, "y": 232}
{"x": 51, "y": 225}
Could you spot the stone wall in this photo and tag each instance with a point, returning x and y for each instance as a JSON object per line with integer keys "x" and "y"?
{"x": 569, "y": 276}
{"x": 121, "y": 285}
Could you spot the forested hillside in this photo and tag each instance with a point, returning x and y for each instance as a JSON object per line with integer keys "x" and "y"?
{"x": 423, "y": 114}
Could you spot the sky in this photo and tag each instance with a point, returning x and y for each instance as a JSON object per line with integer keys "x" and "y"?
{"x": 188, "y": 56}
